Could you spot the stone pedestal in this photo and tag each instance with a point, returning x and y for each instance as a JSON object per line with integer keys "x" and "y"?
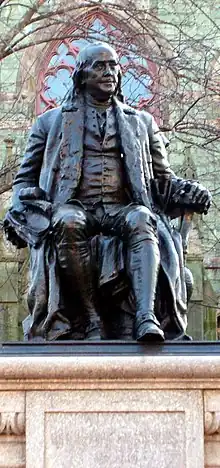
{"x": 148, "y": 409}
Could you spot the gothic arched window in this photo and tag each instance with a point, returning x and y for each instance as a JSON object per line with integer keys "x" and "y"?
{"x": 55, "y": 76}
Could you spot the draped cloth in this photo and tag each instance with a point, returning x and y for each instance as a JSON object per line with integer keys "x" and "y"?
{"x": 52, "y": 315}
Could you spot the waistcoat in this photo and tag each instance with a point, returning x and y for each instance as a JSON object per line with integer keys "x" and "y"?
{"x": 102, "y": 174}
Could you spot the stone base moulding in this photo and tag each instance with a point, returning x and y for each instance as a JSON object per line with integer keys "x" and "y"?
{"x": 12, "y": 429}
{"x": 96, "y": 411}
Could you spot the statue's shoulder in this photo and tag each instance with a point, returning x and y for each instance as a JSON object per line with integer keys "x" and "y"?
{"x": 48, "y": 118}
{"x": 145, "y": 116}
{"x": 127, "y": 109}
{"x": 50, "y": 114}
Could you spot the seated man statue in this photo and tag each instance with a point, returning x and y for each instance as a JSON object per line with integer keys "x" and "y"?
{"x": 95, "y": 166}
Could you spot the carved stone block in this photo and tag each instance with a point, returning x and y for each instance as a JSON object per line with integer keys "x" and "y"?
{"x": 114, "y": 428}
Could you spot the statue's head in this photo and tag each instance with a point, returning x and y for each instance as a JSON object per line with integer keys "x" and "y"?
{"x": 98, "y": 71}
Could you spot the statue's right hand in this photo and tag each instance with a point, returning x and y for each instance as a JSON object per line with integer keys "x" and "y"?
{"x": 12, "y": 236}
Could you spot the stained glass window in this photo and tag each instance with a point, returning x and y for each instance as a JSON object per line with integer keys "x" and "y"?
{"x": 55, "y": 78}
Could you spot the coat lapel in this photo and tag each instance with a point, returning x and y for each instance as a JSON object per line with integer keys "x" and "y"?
{"x": 71, "y": 153}
{"x": 131, "y": 131}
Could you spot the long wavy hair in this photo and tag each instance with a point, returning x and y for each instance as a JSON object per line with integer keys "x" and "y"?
{"x": 82, "y": 61}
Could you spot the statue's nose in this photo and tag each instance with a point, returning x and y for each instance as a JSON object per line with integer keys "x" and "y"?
{"x": 108, "y": 71}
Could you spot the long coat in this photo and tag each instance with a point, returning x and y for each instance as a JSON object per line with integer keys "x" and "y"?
{"x": 54, "y": 154}
{"x": 53, "y": 162}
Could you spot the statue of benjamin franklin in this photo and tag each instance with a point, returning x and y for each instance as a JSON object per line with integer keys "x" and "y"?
{"x": 97, "y": 168}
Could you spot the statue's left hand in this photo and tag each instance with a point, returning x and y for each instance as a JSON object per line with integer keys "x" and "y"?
{"x": 194, "y": 195}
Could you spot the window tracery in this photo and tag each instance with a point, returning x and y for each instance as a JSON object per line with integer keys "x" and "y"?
{"x": 55, "y": 77}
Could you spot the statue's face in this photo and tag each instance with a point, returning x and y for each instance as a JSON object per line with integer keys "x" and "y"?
{"x": 100, "y": 75}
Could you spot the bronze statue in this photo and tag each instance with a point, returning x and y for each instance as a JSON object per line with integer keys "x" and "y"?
{"x": 91, "y": 199}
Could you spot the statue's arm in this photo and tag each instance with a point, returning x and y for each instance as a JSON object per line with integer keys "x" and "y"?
{"x": 178, "y": 195}
{"x": 161, "y": 165}
{"x": 29, "y": 171}
{"x": 27, "y": 177}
